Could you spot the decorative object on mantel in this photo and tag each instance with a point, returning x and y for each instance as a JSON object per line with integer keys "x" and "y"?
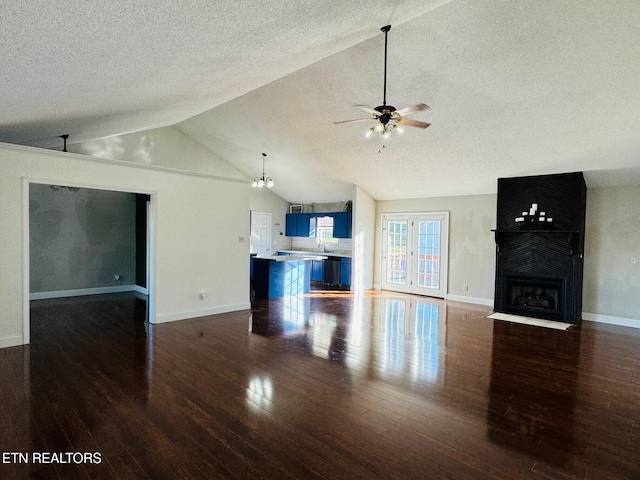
{"x": 534, "y": 220}
{"x": 259, "y": 182}
{"x": 388, "y": 119}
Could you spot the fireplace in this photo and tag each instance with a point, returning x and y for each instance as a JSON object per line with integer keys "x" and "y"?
{"x": 535, "y": 296}
{"x": 540, "y": 246}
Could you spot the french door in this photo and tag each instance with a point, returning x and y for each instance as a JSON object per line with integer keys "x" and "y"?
{"x": 415, "y": 253}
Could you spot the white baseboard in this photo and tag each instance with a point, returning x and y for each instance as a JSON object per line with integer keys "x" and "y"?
{"x": 621, "y": 321}
{"x": 141, "y": 290}
{"x": 376, "y": 286}
{"x": 81, "y": 291}
{"x": 487, "y": 302}
{"x": 201, "y": 313}
{"x": 11, "y": 341}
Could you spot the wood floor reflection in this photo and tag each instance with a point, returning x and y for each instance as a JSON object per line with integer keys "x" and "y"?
{"x": 322, "y": 386}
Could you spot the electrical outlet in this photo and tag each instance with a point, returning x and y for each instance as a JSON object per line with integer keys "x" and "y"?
{"x": 633, "y": 260}
{"x": 465, "y": 288}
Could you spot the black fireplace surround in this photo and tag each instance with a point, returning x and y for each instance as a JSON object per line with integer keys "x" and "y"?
{"x": 540, "y": 246}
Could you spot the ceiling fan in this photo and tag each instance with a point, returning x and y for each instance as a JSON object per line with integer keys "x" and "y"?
{"x": 387, "y": 116}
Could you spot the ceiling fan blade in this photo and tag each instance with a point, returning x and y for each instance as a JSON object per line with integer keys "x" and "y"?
{"x": 353, "y": 121}
{"x": 368, "y": 109}
{"x": 413, "y": 123}
{"x": 416, "y": 108}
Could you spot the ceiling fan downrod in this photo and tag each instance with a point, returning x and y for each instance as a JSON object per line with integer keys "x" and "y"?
{"x": 385, "y": 29}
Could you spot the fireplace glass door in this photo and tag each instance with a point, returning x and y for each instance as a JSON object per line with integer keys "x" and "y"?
{"x": 535, "y": 295}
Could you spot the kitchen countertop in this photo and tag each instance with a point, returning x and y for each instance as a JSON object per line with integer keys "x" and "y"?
{"x": 315, "y": 254}
{"x": 291, "y": 258}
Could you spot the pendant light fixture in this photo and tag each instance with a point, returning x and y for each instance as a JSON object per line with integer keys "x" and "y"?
{"x": 259, "y": 182}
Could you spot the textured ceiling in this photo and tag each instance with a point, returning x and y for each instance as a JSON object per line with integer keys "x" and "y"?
{"x": 516, "y": 87}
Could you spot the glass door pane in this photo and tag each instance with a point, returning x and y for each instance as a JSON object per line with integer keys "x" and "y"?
{"x": 396, "y": 261}
{"x": 428, "y": 258}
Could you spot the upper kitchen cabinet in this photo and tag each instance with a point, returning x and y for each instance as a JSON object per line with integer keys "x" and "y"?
{"x": 304, "y": 224}
{"x": 341, "y": 224}
{"x": 297, "y": 225}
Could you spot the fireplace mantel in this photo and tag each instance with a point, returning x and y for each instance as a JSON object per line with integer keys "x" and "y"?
{"x": 572, "y": 236}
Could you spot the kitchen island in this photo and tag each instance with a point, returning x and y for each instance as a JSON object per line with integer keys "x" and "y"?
{"x": 282, "y": 275}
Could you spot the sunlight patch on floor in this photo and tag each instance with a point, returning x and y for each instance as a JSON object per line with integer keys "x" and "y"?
{"x": 536, "y": 322}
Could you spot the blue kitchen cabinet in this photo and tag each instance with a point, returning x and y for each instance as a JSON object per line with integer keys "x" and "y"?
{"x": 317, "y": 272}
{"x": 345, "y": 272}
{"x": 291, "y": 225}
{"x": 341, "y": 224}
{"x": 297, "y": 225}
{"x": 303, "y": 225}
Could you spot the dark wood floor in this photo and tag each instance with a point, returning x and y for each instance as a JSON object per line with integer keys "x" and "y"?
{"x": 328, "y": 386}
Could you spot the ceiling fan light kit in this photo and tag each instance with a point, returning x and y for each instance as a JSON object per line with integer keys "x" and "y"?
{"x": 262, "y": 181}
{"x": 388, "y": 118}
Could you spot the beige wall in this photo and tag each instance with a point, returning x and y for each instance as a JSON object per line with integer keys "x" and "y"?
{"x": 611, "y": 281}
{"x": 611, "y": 290}
{"x": 471, "y": 242}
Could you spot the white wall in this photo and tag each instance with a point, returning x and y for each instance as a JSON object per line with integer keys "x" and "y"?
{"x": 162, "y": 147}
{"x": 199, "y": 220}
{"x": 471, "y": 242}
{"x": 364, "y": 240}
{"x": 264, "y": 200}
{"x": 612, "y": 239}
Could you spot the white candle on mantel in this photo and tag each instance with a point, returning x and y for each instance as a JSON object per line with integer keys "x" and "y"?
{"x": 525, "y": 214}
{"x": 549, "y": 219}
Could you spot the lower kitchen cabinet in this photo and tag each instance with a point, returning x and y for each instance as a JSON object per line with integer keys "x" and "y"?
{"x": 345, "y": 272}
{"x": 317, "y": 274}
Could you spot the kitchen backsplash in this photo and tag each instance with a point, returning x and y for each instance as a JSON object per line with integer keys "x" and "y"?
{"x": 344, "y": 245}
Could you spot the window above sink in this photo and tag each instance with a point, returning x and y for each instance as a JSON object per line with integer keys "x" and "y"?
{"x": 322, "y": 230}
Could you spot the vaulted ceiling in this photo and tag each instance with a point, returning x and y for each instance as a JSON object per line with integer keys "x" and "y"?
{"x": 516, "y": 87}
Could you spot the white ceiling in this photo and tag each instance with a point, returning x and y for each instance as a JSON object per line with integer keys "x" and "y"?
{"x": 516, "y": 87}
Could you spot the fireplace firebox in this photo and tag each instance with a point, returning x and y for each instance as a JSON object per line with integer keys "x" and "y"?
{"x": 535, "y": 296}
{"x": 540, "y": 246}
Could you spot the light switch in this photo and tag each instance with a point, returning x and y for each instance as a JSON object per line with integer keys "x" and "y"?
{"x": 633, "y": 260}
{"x": 240, "y": 239}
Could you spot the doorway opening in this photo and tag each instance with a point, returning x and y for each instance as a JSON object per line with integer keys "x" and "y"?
{"x": 86, "y": 241}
